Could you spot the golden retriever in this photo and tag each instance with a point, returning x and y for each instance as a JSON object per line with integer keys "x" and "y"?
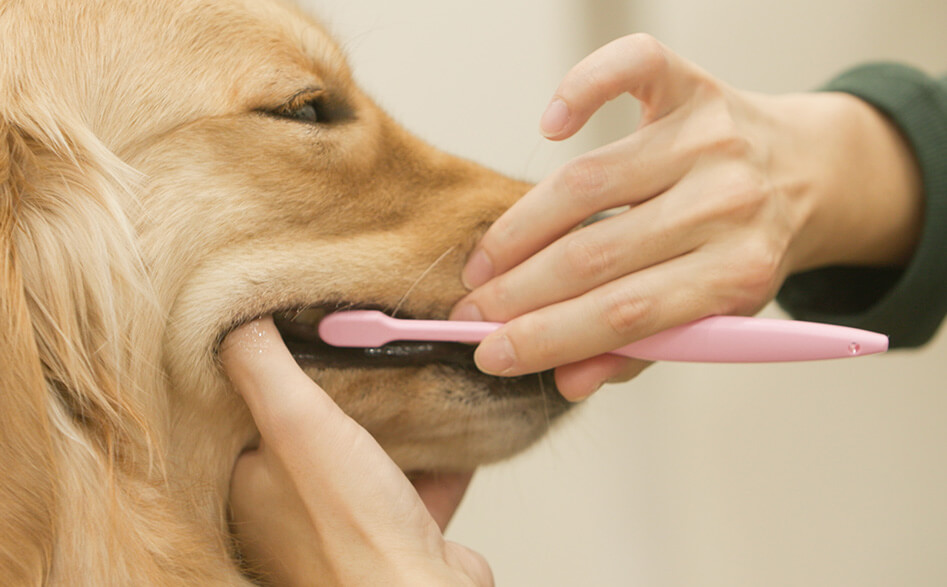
{"x": 172, "y": 168}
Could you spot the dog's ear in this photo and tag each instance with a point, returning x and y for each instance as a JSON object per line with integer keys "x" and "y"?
{"x": 79, "y": 359}
{"x": 27, "y": 494}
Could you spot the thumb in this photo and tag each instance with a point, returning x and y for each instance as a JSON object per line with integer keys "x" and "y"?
{"x": 285, "y": 403}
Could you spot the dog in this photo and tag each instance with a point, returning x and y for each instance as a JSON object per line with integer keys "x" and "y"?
{"x": 170, "y": 169}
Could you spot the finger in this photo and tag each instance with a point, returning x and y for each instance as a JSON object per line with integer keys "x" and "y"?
{"x": 603, "y": 319}
{"x": 637, "y": 64}
{"x": 442, "y": 494}
{"x": 267, "y": 518}
{"x": 297, "y": 420}
{"x": 631, "y": 369}
{"x": 278, "y": 393}
{"x": 250, "y": 476}
{"x": 585, "y": 259}
{"x": 321, "y": 448}
{"x": 255, "y": 483}
{"x": 626, "y": 172}
{"x": 577, "y": 381}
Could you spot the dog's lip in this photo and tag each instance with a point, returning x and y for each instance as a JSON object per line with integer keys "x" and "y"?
{"x": 299, "y": 329}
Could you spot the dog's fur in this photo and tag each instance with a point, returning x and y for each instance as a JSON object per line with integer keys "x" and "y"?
{"x": 152, "y": 195}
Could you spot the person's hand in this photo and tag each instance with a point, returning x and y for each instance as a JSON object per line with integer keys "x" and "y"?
{"x": 319, "y": 501}
{"x": 729, "y": 192}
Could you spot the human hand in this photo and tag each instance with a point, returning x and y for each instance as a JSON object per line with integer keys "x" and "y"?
{"x": 729, "y": 192}
{"x": 319, "y": 499}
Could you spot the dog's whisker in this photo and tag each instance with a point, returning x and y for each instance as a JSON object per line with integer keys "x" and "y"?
{"x": 542, "y": 394}
{"x": 532, "y": 157}
{"x": 420, "y": 278}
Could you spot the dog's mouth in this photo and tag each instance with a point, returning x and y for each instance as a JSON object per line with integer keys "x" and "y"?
{"x": 299, "y": 329}
{"x": 435, "y": 410}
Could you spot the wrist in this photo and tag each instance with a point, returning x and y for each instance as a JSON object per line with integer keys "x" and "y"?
{"x": 857, "y": 178}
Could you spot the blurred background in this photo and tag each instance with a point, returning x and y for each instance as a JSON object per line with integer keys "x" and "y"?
{"x": 813, "y": 474}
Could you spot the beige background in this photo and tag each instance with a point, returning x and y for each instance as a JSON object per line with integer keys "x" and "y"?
{"x": 817, "y": 474}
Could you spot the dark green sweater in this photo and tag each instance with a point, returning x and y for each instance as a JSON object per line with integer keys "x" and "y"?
{"x": 908, "y": 304}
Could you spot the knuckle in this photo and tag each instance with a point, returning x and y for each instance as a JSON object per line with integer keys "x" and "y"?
{"x": 627, "y": 313}
{"x": 717, "y": 130}
{"x": 497, "y": 301}
{"x": 708, "y": 89}
{"x": 760, "y": 271}
{"x": 650, "y": 54}
{"x": 725, "y": 134}
{"x": 589, "y": 76}
{"x": 735, "y": 196}
{"x": 584, "y": 179}
{"x": 744, "y": 193}
{"x": 732, "y": 141}
{"x": 503, "y": 229}
{"x": 533, "y": 345}
{"x": 585, "y": 259}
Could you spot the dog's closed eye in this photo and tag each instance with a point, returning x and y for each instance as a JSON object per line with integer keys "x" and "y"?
{"x": 312, "y": 106}
{"x": 306, "y": 106}
{"x": 306, "y": 113}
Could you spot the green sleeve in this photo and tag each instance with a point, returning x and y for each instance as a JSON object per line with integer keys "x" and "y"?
{"x": 908, "y": 304}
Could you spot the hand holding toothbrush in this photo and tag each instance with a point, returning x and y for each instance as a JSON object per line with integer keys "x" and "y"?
{"x": 729, "y": 192}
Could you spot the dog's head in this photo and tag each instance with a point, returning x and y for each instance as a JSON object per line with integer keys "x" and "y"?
{"x": 236, "y": 170}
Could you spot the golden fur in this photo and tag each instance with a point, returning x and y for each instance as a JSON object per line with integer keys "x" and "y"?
{"x": 152, "y": 197}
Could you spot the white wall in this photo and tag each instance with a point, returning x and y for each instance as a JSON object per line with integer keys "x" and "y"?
{"x": 818, "y": 474}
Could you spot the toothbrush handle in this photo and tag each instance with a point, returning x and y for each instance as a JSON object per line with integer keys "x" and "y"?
{"x": 717, "y": 339}
{"x": 440, "y": 330}
{"x": 736, "y": 339}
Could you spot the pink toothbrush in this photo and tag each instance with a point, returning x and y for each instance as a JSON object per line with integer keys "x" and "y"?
{"x": 717, "y": 339}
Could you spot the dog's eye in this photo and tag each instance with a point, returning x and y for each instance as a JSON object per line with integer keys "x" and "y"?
{"x": 308, "y": 112}
{"x": 312, "y": 106}
{"x": 308, "y": 106}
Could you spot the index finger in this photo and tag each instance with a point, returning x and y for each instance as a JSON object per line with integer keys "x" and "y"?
{"x": 637, "y": 64}
{"x": 626, "y": 172}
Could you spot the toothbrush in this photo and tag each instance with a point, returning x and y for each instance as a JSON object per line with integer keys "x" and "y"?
{"x": 717, "y": 339}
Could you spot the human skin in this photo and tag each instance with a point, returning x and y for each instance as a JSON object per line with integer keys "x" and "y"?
{"x": 729, "y": 192}
{"x": 319, "y": 499}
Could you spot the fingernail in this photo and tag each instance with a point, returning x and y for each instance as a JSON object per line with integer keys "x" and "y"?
{"x": 495, "y": 356}
{"x": 479, "y": 270}
{"x": 554, "y": 119}
{"x": 467, "y": 311}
